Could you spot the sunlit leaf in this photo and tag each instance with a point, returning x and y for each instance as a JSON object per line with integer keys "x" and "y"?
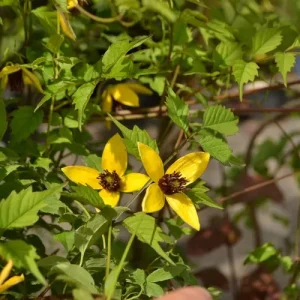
{"x": 285, "y": 62}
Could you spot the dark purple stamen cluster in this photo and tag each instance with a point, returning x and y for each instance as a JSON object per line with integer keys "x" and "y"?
{"x": 110, "y": 180}
{"x": 172, "y": 183}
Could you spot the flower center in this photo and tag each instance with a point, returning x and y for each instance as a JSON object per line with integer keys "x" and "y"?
{"x": 172, "y": 183}
{"x": 110, "y": 180}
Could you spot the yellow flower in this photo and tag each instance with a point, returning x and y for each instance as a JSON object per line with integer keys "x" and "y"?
{"x": 112, "y": 180}
{"x": 125, "y": 93}
{"x": 26, "y": 77}
{"x": 72, "y": 3}
{"x": 171, "y": 184}
{"x": 6, "y": 284}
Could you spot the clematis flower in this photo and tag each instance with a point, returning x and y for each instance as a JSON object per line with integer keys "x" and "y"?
{"x": 71, "y": 4}
{"x": 112, "y": 180}
{"x": 7, "y": 284}
{"x": 172, "y": 184}
{"x": 18, "y": 76}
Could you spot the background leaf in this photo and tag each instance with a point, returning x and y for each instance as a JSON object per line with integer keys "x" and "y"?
{"x": 148, "y": 232}
{"x": 178, "y": 111}
{"x": 244, "y": 72}
{"x": 25, "y": 122}
{"x": 266, "y": 40}
{"x": 284, "y": 62}
{"x": 23, "y": 256}
{"x": 3, "y": 121}
{"x": 81, "y": 98}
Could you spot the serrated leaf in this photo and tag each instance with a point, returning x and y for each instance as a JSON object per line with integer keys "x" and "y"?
{"x": 146, "y": 230}
{"x": 131, "y": 137}
{"x": 21, "y": 209}
{"x": 199, "y": 197}
{"x": 87, "y": 195}
{"x": 75, "y": 275}
{"x": 81, "y": 98}
{"x": 117, "y": 51}
{"x": 23, "y": 256}
{"x": 3, "y": 121}
{"x": 45, "y": 98}
{"x": 42, "y": 162}
{"x": 229, "y": 52}
{"x": 266, "y": 40}
{"x": 93, "y": 161}
{"x": 285, "y": 62}
{"x": 160, "y": 8}
{"x": 178, "y": 110}
{"x": 54, "y": 43}
{"x": 25, "y": 121}
{"x": 244, "y": 72}
{"x": 220, "y": 119}
{"x": 214, "y": 145}
{"x": 153, "y": 290}
{"x": 87, "y": 234}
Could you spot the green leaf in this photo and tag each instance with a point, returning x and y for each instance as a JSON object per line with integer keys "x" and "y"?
{"x": 168, "y": 272}
{"x": 181, "y": 34}
{"x": 87, "y": 195}
{"x": 42, "y": 162}
{"x": 20, "y": 210}
{"x": 66, "y": 238}
{"x": 54, "y": 43}
{"x": 153, "y": 290}
{"x": 146, "y": 230}
{"x": 138, "y": 277}
{"x": 199, "y": 197}
{"x": 81, "y": 98}
{"x": 244, "y": 72}
{"x": 229, "y": 52}
{"x": 25, "y": 122}
{"x": 220, "y": 119}
{"x": 93, "y": 161}
{"x": 80, "y": 294}
{"x": 131, "y": 137}
{"x": 178, "y": 111}
{"x": 284, "y": 62}
{"x": 47, "y": 18}
{"x": 261, "y": 254}
{"x": 117, "y": 51}
{"x": 160, "y": 8}
{"x": 87, "y": 234}
{"x": 50, "y": 261}
{"x": 23, "y": 256}
{"x": 75, "y": 275}
{"x": 3, "y": 121}
{"x": 266, "y": 40}
{"x": 214, "y": 145}
{"x": 45, "y": 98}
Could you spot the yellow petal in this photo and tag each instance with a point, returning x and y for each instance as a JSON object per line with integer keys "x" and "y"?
{"x": 114, "y": 156}
{"x": 110, "y": 198}
{"x": 6, "y": 271}
{"x": 4, "y": 81}
{"x": 65, "y": 25}
{"x": 27, "y": 75}
{"x": 151, "y": 161}
{"x": 106, "y": 102}
{"x": 11, "y": 282}
{"x": 133, "y": 182}
{"x": 71, "y": 3}
{"x": 124, "y": 95}
{"x": 191, "y": 166}
{"x": 139, "y": 89}
{"x": 9, "y": 69}
{"x": 83, "y": 175}
{"x": 154, "y": 199}
{"x": 184, "y": 208}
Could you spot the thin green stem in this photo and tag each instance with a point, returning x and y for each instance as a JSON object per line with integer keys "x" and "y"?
{"x": 50, "y": 116}
{"x": 107, "y": 270}
{"x": 120, "y": 267}
{"x": 83, "y": 209}
{"x": 103, "y": 241}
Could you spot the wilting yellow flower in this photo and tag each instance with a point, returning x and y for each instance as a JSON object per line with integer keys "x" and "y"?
{"x": 27, "y": 76}
{"x": 112, "y": 180}
{"x": 72, "y": 3}
{"x": 125, "y": 93}
{"x": 171, "y": 185}
{"x": 65, "y": 24}
{"x": 6, "y": 284}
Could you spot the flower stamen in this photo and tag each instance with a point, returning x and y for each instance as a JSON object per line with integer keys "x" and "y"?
{"x": 172, "y": 183}
{"x": 110, "y": 181}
